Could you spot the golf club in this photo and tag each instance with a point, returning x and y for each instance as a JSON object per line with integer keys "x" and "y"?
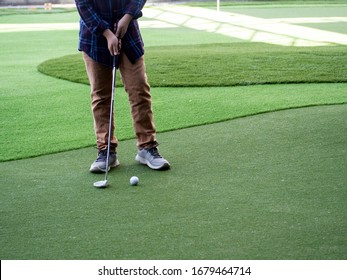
{"x": 104, "y": 183}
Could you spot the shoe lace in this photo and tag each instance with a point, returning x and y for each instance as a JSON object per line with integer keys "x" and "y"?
{"x": 102, "y": 155}
{"x": 154, "y": 152}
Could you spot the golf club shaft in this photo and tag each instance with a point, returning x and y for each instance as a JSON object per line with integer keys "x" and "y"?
{"x": 111, "y": 113}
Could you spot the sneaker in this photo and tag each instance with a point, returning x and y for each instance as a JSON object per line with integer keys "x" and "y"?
{"x": 152, "y": 158}
{"x": 99, "y": 165}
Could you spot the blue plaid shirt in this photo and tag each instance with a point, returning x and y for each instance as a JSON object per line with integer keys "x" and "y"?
{"x": 99, "y": 15}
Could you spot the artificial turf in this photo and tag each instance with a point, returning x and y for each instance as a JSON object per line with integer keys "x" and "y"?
{"x": 230, "y": 64}
{"x": 270, "y": 186}
{"x": 34, "y": 106}
{"x": 64, "y": 121}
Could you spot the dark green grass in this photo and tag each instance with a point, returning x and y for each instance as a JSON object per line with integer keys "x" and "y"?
{"x": 224, "y": 65}
{"x": 270, "y": 186}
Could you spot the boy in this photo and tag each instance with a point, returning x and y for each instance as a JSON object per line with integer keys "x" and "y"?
{"x": 109, "y": 28}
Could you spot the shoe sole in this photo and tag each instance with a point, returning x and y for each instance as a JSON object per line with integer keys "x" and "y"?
{"x": 143, "y": 161}
{"x": 99, "y": 170}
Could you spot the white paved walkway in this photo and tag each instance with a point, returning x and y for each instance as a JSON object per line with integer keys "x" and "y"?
{"x": 255, "y": 29}
{"x": 280, "y": 31}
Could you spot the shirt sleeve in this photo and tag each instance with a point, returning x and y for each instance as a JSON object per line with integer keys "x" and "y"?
{"x": 91, "y": 19}
{"x": 134, "y": 8}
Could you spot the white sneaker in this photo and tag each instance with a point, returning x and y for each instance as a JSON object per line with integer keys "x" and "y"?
{"x": 152, "y": 158}
{"x": 99, "y": 165}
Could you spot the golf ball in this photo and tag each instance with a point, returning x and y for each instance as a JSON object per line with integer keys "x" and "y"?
{"x": 134, "y": 180}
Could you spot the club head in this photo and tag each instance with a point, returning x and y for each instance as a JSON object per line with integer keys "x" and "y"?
{"x": 101, "y": 184}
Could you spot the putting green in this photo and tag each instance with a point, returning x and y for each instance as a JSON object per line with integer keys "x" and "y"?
{"x": 270, "y": 186}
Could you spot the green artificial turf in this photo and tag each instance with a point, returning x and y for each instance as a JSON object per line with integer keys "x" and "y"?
{"x": 270, "y": 186}
{"x": 31, "y": 10}
{"x": 64, "y": 121}
{"x": 42, "y": 115}
{"x": 224, "y": 65}
{"x": 256, "y": 4}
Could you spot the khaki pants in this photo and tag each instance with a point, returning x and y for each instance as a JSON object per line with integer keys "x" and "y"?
{"x": 135, "y": 83}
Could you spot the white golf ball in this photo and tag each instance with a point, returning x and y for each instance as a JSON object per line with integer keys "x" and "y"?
{"x": 134, "y": 180}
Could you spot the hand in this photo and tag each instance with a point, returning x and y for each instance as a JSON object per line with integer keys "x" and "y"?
{"x": 122, "y": 26}
{"x": 113, "y": 43}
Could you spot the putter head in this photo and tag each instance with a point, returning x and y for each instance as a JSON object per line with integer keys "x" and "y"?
{"x": 101, "y": 184}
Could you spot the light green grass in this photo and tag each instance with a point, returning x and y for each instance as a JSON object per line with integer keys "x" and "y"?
{"x": 64, "y": 122}
{"x": 270, "y": 186}
{"x": 37, "y": 15}
{"x": 258, "y": 4}
{"x": 296, "y": 11}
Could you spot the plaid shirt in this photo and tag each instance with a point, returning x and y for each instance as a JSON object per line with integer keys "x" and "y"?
{"x": 99, "y": 15}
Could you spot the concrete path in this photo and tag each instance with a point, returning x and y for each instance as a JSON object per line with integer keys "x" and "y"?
{"x": 249, "y": 28}
{"x": 280, "y": 31}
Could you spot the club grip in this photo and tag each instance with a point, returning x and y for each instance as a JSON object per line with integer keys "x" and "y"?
{"x": 115, "y": 61}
